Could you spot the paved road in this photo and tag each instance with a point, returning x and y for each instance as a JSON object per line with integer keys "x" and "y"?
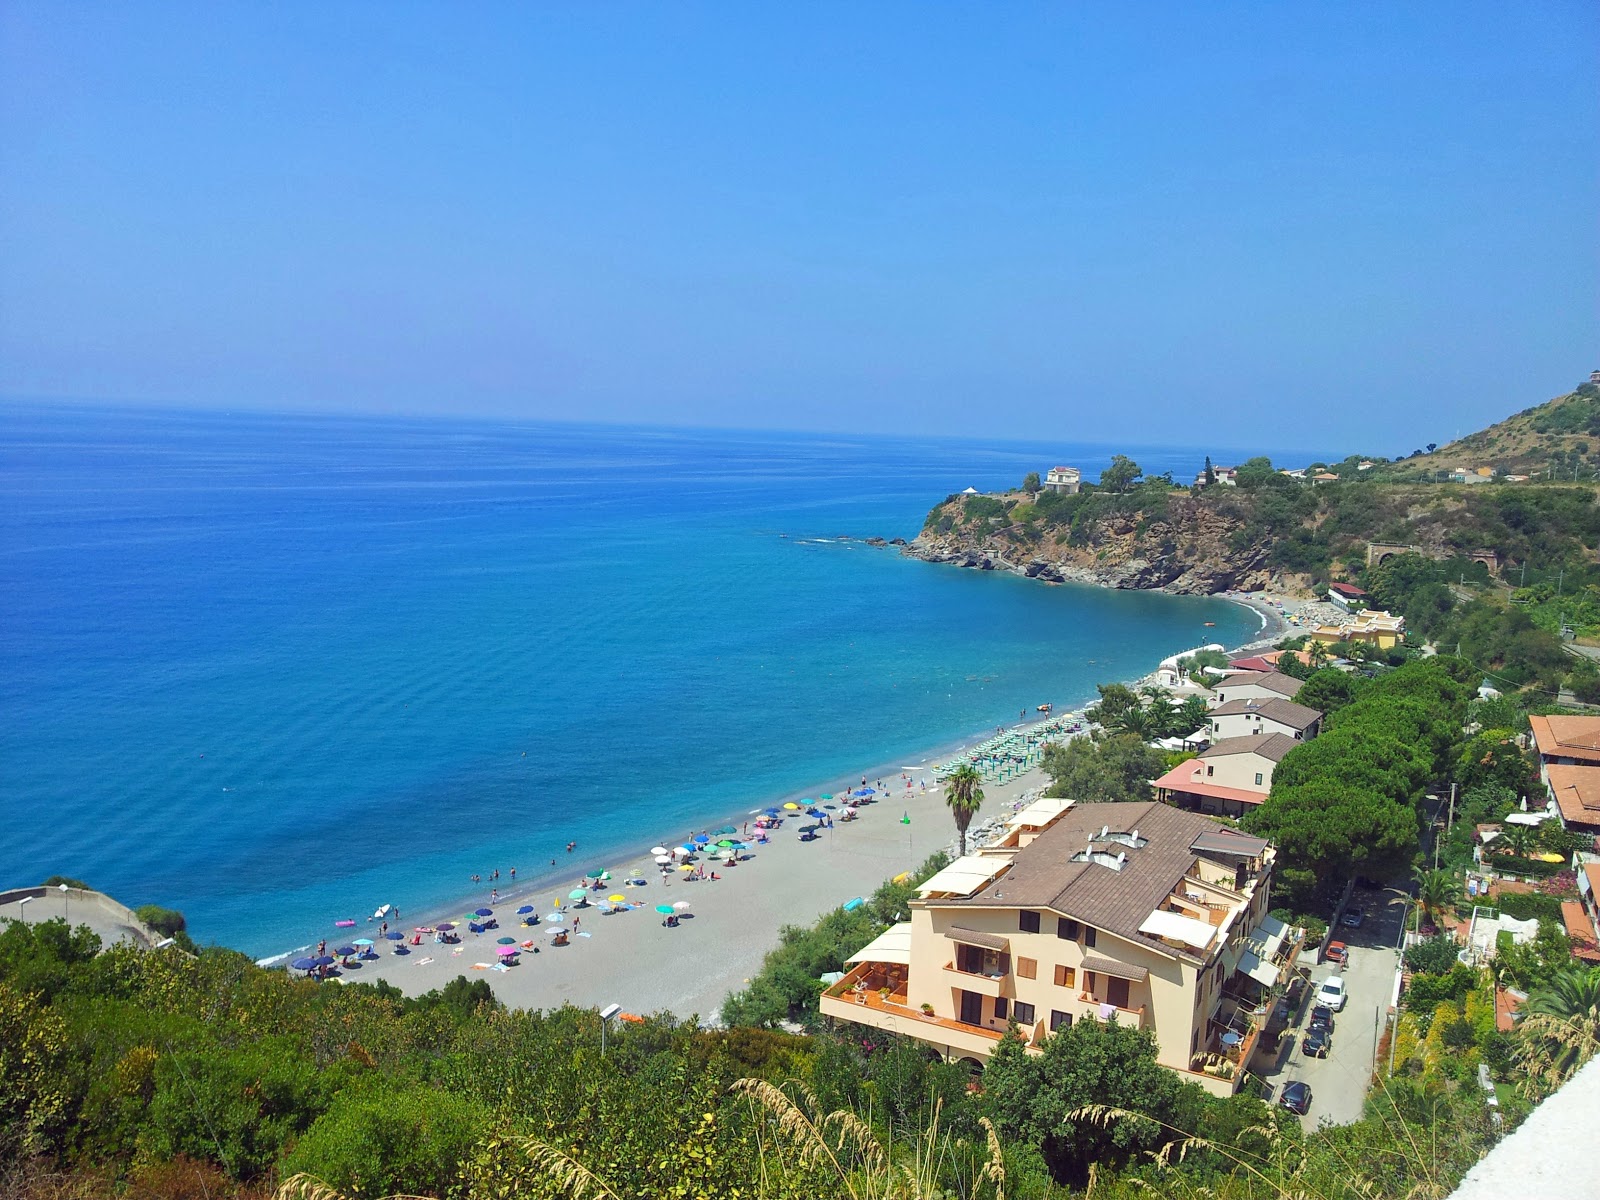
{"x": 1339, "y": 1082}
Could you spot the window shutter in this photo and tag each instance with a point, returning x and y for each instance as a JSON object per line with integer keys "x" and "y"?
{"x": 1027, "y": 968}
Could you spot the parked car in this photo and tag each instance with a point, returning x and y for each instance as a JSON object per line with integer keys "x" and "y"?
{"x": 1296, "y": 1097}
{"x": 1317, "y": 1042}
{"x": 1353, "y": 918}
{"x": 1339, "y": 953}
{"x": 1332, "y": 993}
{"x": 1321, "y": 1015}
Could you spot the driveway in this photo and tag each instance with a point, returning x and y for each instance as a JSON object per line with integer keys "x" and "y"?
{"x": 1339, "y": 1082}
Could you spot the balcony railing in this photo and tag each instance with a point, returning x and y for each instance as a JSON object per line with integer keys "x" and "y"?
{"x": 984, "y": 985}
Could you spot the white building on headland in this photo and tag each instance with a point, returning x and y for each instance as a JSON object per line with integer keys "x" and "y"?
{"x": 1065, "y": 480}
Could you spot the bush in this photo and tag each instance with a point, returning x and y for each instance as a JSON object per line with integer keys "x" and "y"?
{"x": 1427, "y": 992}
{"x": 1436, "y": 956}
{"x": 168, "y": 922}
{"x": 1528, "y": 906}
{"x": 1530, "y": 868}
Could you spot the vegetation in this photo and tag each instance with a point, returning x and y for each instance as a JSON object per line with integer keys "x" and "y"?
{"x": 963, "y": 797}
{"x": 1104, "y": 768}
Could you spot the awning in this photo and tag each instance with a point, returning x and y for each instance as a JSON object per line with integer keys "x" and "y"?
{"x": 1226, "y": 841}
{"x": 964, "y": 876}
{"x": 972, "y": 937}
{"x": 1262, "y": 971}
{"x": 893, "y": 945}
{"x": 1106, "y": 966}
{"x": 1041, "y": 812}
{"x": 1191, "y": 931}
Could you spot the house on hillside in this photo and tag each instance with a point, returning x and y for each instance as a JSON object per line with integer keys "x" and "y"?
{"x": 1569, "y": 766}
{"x": 1226, "y": 476}
{"x": 1251, "y": 718}
{"x": 1255, "y": 685}
{"x": 1133, "y": 912}
{"x": 1065, "y": 480}
{"x": 1373, "y": 627}
{"x": 1347, "y": 596}
{"x": 1228, "y": 779}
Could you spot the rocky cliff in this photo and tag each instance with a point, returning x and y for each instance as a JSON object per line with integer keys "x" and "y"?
{"x": 1191, "y": 546}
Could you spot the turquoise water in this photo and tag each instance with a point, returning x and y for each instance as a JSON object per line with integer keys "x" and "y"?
{"x": 277, "y": 670}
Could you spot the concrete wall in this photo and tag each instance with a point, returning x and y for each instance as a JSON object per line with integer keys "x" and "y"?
{"x": 111, "y": 920}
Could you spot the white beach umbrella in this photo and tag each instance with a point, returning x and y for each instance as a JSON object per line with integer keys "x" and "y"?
{"x": 658, "y": 849}
{"x": 663, "y": 859}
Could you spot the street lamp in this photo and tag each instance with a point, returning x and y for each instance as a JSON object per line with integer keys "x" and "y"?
{"x": 22, "y": 907}
{"x": 606, "y": 1014}
{"x": 66, "y": 910}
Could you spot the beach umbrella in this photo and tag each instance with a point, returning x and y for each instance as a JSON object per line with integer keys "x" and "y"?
{"x": 725, "y": 844}
{"x": 483, "y": 912}
{"x": 727, "y": 829}
{"x": 556, "y": 929}
{"x": 394, "y": 935}
{"x": 304, "y": 964}
{"x": 658, "y": 849}
{"x": 827, "y": 795}
{"x": 506, "y": 951}
{"x": 680, "y": 904}
{"x": 577, "y": 894}
{"x": 555, "y": 916}
{"x": 791, "y": 805}
{"x": 700, "y": 839}
{"x": 686, "y": 849}
{"x": 665, "y": 909}
{"x": 617, "y": 899}
{"x": 344, "y": 950}
{"x": 323, "y": 960}
{"x": 685, "y": 867}
{"x": 596, "y": 873}
{"x": 772, "y": 811}
{"x": 445, "y": 926}
{"x": 663, "y": 859}
{"x": 507, "y": 941}
{"x": 866, "y": 791}
{"x": 524, "y": 910}
{"x": 363, "y": 942}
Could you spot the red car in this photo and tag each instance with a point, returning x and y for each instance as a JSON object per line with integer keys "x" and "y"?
{"x": 1339, "y": 953}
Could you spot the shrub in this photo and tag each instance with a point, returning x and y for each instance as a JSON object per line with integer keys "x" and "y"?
{"x": 1527, "y": 906}
{"x": 1436, "y": 956}
{"x": 168, "y": 922}
{"x": 1513, "y": 864}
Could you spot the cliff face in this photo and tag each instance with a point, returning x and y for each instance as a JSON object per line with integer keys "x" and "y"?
{"x": 1193, "y": 548}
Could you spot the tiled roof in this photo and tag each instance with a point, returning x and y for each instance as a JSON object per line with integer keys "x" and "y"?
{"x": 1271, "y": 746}
{"x": 1567, "y": 737}
{"x": 1043, "y": 874}
{"x": 1592, "y": 870}
{"x": 1273, "y": 681}
{"x": 1579, "y": 930}
{"x": 1284, "y": 712}
{"x": 1190, "y": 777}
{"x": 1347, "y": 589}
{"x": 1576, "y": 791}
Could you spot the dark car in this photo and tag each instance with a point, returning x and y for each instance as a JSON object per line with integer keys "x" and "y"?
{"x": 1317, "y": 1042}
{"x": 1296, "y": 1097}
{"x": 1321, "y": 1015}
{"x": 1353, "y": 918}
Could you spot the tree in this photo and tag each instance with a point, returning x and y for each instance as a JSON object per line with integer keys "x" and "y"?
{"x": 963, "y": 797}
{"x": 1574, "y": 992}
{"x": 1121, "y": 475}
{"x": 1514, "y": 839}
{"x": 1086, "y": 1063}
{"x": 1493, "y": 757}
{"x": 1328, "y": 690}
{"x": 1211, "y": 472}
{"x": 1106, "y": 769}
{"x": 1432, "y": 446}
{"x": 1436, "y": 890}
{"x": 1116, "y": 701}
{"x": 1030, "y": 482}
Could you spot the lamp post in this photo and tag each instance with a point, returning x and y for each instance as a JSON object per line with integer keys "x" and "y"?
{"x": 66, "y": 910}
{"x": 22, "y": 907}
{"x": 606, "y": 1014}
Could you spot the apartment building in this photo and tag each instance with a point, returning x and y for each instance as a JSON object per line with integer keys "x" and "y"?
{"x": 1255, "y": 685}
{"x": 1138, "y": 913}
{"x": 1247, "y": 718}
{"x": 1569, "y": 766}
{"x": 1228, "y": 778}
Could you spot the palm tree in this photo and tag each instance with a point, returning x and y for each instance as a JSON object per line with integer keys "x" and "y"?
{"x": 1515, "y": 839}
{"x": 964, "y": 796}
{"x": 1436, "y": 890}
{"x": 1573, "y": 992}
{"x": 1561, "y": 1029}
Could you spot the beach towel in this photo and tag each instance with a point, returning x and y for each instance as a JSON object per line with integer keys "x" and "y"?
{"x": 585, "y": 935}
{"x": 499, "y": 967}
{"x": 1106, "y": 1010}
{"x": 422, "y": 962}
{"x": 480, "y": 966}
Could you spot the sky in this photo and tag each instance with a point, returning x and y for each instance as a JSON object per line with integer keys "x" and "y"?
{"x": 1224, "y": 222}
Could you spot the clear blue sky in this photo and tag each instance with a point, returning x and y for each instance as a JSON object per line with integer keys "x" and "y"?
{"x": 1225, "y": 223}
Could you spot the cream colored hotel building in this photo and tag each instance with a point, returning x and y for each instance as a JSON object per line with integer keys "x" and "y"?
{"x": 1139, "y": 913}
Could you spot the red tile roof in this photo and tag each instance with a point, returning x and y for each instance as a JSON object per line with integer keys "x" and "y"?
{"x": 1567, "y": 737}
{"x": 1577, "y": 793}
{"x": 1347, "y": 589}
{"x": 1580, "y": 930}
{"x": 1190, "y": 777}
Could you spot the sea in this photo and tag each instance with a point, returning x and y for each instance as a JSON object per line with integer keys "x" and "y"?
{"x": 277, "y": 670}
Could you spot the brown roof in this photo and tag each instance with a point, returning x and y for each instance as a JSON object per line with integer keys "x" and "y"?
{"x": 1284, "y": 712}
{"x": 1592, "y": 870}
{"x": 1189, "y": 777}
{"x": 1579, "y": 930}
{"x": 1577, "y": 793}
{"x": 1274, "y": 681}
{"x": 974, "y": 937}
{"x": 1106, "y": 966}
{"x": 1044, "y": 875}
{"x": 1567, "y": 737}
{"x": 1271, "y": 746}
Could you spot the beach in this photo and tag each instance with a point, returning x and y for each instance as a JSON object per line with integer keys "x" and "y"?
{"x": 630, "y": 958}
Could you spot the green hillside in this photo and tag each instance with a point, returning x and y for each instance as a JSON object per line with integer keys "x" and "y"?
{"x": 1559, "y": 439}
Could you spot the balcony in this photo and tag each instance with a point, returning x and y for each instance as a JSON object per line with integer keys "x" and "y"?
{"x": 1097, "y": 1010}
{"x": 868, "y": 1005}
{"x": 983, "y": 985}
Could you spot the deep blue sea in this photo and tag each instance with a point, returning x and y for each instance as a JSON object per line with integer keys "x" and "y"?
{"x": 272, "y": 670}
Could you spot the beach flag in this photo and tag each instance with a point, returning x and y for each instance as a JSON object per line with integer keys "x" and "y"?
{"x": 905, "y": 818}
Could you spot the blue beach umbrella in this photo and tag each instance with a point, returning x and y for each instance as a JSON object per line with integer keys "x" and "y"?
{"x": 700, "y": 839}
{"x": 865, "y": 792}
{"x": 524, "y": 910}
{"x": 323, "y": 960}
{"x": 773, "y": 812}
{"x": 484, "y": 912}
{"x": 343, "y": 950}
{"x": 303, "y": 964}
{"x": 394, "y": 935}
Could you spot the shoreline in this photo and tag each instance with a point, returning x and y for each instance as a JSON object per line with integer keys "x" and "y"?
{"x": 639, "y": 968}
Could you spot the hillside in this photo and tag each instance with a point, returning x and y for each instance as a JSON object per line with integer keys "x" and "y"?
{"x": 1549, "y": 440}
{"x": 1279, "y": 534}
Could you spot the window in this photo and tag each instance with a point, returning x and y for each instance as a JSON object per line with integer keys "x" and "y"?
{"x": 1066, "y": 976}
{"x": 1258, "y": 778}
{"x": 1210, "y": 770}
{"x": 1021, "y": 1012}
{"x": 1067, "y": 929}
{"x": 1000, "y": 1008}
{"x": 1028, "y": 922}
{"x": 1088, "y": 936}
{"x": 1088, "y": 981}
{"x": 1027, "y": 968}
{"x": 1059, "y": 1020}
